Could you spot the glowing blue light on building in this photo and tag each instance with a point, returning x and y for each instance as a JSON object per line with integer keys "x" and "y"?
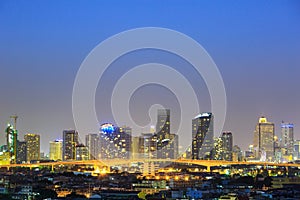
{"x": 107, "y": 128}
{"x": 287, "y": 125}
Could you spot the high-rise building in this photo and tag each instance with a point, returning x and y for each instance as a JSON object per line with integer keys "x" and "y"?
{"x": 21, "y": 151}
{"x": 55, "y": 152}
{"x": 125, "y": 135}
{"x": 173, "y": 146}
{"x": 227, "y": 145}
{"x": 287, "y": 138}
{"x": 148, "y": 145}
{"x": 167, "y": 143}
{"x": 249, "y": 154}
{"x": 217, "y": 152}
{"x": 263, "y": 142}
{"x": 92, "y": 142}
{"x": 202, "y": 133}
{"x": 12, "y": 138}
{"x": 70, "y": 140}
{"x": 82, "y": 152}
{"x": 297, "y": 150}
{"x": 163, "y": 132}
{"x": 136, "y": 147}
{"x": 33, "y": 146}
{"x": 237, "y": 154}
{"x": 115, "y": 142}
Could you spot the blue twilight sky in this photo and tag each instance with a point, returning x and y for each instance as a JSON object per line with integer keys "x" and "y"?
{"x": 255, "y": 45}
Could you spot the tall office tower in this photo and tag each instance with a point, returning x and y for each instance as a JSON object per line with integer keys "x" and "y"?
{"x": 202, "y": 133}
{"x": 297, "y": 150}
{"x": 55, "y": 152}
{"x": 287, "y": 138}
{"x": 263, "y": 142}
{"x": 148, "y": 146}
{"x": 227, "y": 144}
{"x": 70, "y": 140}
{"x": 92, "y": 142}
{"x": 21, "y": 151}
{"x": 115, "y": 142}
{"x": 12, "y": 137}
{"x": 237, "y": 154}
{"x": 249, "y": 154}
{"x": 136, "y": 148}
{"x": 277, "y": 150}
{"x": 165, "y": 141}
{"x": 125, "y": 135}
{"x": 173, "y": 147}
{"x": 217, "y": 152}
{"x": 82, "y": 152}
{"x": 33, "y": 146}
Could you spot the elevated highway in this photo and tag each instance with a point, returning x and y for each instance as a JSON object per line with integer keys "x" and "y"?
{"x": 117, "y": 162}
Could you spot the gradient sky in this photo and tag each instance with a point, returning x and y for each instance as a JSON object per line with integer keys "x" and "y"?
{"x": 255, "y": 45}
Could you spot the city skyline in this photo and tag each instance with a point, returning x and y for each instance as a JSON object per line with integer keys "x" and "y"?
{"x": 202, "y": 133}
{"x": 256, "y": 54}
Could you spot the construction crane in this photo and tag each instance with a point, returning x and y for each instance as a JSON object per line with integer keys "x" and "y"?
{"x": 14, "y": 117}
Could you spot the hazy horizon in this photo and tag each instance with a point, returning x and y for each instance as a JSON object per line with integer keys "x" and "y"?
{"x": 254, "y": 44}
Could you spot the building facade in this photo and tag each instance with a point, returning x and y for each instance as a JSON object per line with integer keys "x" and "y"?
{"x": 115, "y": 142}
{"x": 148, "y": 146}
{"x": 163, "y": 133}
{"x": 202, "y": 136}
{"x": 55, "y": 152}
{"x": 297, "y": 150}
{"x": 82, "y": 152}
{"x": 287, "y": 139}
{"x": 263, "y": 142}
{"x": 92, "y": 142}
{"x": 227, "y": 145}
{"x": 21, "y": 151}
{"x": 70, "y": 140}
{"x": 11, "y": 142}
{"x": 33, "y": 146}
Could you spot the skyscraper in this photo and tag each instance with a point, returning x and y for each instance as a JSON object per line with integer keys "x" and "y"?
{"x": 227, "y": 145}
{"x": 163, "y": 122}
{"x": 162, "y": 131}
{"x": 115, "y": 142}
{"x": 136, "y": 147}
{"x": 55, "y": 152}
{"x": 287, "y": 138}
{"x": 12, "y": 138}
{"x": 167, "y": 143}
{"x": 237, "y": 154}
{"x": 297, "y": 150}
{"x": 202, "y": 136}
{"x": 21, "y": 151}
{"x": 263, "y": 142}
{"x": 148, "y": 145}
{"x": 125, "y": 133}
{"x": 217, "y": 152}
{"x": 92, "y": 142}
{"x": 70, "y": 140}
{"x": 82, "y": 152}
{"x": 33, "y": 146}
